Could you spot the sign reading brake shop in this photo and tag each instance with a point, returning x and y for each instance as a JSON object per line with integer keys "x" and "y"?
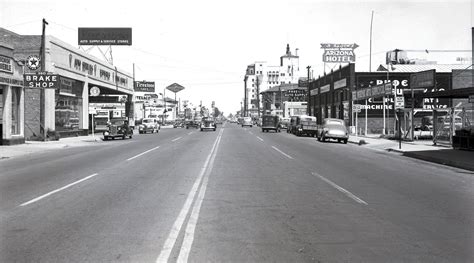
{"x": 41, "y": 80}
{"x": 119, "y": 36}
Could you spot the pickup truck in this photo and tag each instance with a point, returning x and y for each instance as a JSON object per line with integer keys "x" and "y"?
{"x": 303, "y": 125}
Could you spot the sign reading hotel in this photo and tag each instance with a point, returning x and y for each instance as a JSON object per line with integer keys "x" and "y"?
{"x": 41, "y": 80}
{"x": 114, "y": 36}
{"x": 144, "y": 86}
{"x": 338, "y": 53}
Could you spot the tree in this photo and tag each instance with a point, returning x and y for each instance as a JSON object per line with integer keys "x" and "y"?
{"x": 217, "y": 112}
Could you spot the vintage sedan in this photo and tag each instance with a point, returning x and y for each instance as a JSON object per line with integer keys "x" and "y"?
{"x": 247, "y": 121}
{"x": 118, "y": 129}
{"x": 148, "y": 125}
{"x": 333, "y": 129}
{"x": 208, "y": 124}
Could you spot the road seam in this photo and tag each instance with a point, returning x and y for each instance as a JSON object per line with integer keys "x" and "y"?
{"x": 58, "y": 190}
{"x": 145, "y": 152}
{"x": 278, "y": 150}
{"x": 344, "y": 191}
{"x": 179, "y": 222}
{"x": 176, "y": 139}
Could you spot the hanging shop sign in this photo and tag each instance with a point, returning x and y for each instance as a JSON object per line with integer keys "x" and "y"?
{"x": 339, "y": 53}
{"x": 41, "y": 80}
{"x": 33, "y": 62}
{"x": 115, "y": 36}
{"x": 144, "y": 86}
{"x": 95, "y": 91}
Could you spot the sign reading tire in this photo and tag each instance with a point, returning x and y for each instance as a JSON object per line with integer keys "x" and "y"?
{"x": 41, "y": 80}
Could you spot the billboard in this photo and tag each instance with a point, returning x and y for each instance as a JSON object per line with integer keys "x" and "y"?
{"x": 144, "y": 86}
{"x": 115, "y": 36}
{"x": 175, "y": 87}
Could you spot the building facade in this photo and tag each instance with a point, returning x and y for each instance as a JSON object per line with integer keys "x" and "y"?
{"x": 65, "y": 110}
{"x": 12, "y": 97}
{"x": 260, "y": 76}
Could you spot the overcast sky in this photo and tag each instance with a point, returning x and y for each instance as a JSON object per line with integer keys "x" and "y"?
{"x": 206, "y": 45}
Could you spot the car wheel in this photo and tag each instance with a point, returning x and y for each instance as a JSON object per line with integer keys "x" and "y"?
{"x": 123, "y": 137}
{"x": 345, "y": 141}
{"x": 339, "y": 140}
{"x": 319, "y": 138}
{"x": 214, "y": 129}
{"x": 201, "y": 129}
{"x": 106, "y": 138}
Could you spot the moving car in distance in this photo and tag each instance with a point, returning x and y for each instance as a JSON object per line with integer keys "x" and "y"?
{"x": 208, "y": 124}
{"x": 333, "y": 129}
{"x": 247, "y": 121}
{"x": 284, "y": 123}
{"x": 148, "y": 125}
{"x": 270, "y": 122}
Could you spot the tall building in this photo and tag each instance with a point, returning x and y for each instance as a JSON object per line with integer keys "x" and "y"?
{"x": 268, "y": 76}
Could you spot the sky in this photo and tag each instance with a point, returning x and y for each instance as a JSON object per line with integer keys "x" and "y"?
{"x": 206, "y": 45}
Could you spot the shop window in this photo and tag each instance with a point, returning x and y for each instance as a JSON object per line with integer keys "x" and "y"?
{"x": 16, "y": 95}
{"x": 68, "y": 110}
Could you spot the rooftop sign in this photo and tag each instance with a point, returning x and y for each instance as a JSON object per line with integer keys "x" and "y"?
{"x": 115, "y": 36}
{"x": 338, "y": 53}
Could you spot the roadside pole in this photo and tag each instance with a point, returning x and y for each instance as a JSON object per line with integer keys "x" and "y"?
{"x": 93, "y": 133}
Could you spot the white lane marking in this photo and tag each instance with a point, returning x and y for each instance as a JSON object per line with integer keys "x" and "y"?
{"x": 58, "y": 190}
{"x": 176, "y": 139}
{"x": 278, "y": 150}
{"x": 193, "y": 219}
{"x": 347, "y": 193}
{"x": 178, "y": 223}
{"x": 190, "y": 133}
{"x": 250, "y": 132}
{"x": 260, "y": 138}
{"x": 145, "y": 152}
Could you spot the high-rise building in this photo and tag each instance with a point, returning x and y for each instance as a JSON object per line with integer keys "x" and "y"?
{"x": 269, "y": 76}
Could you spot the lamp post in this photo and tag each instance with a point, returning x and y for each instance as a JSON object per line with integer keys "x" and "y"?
{"x": 245, "y": 95}
{"x": 259, "y": 78}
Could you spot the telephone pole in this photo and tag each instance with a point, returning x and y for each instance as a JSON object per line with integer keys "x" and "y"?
{"x": 309, "y": 94}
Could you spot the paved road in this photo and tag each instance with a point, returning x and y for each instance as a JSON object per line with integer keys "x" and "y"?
{"x": 232, "y": 195}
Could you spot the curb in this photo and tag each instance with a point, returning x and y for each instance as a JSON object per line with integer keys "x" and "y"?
{"x": 438, "y": 161}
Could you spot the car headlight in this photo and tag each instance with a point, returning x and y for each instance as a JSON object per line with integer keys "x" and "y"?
{"x": 106, "y": 133}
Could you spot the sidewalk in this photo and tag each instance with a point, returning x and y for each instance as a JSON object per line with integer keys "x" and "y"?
{"x": 30, "y": 147}
{"x": 423, "y": 150}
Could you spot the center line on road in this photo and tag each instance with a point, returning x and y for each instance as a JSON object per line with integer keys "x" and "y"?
{"x": 145, "y": 152}
{"x": 189, "y": 133}
{"x": 179, "y": 222}
{"x": 250, "y": 132}
{"x": 347, "y": 193}
{"x": 176, "y": 139}
{"x": 260, "y": 138}
{"x": 58, "y": 190}
{"x": 278, "y": 150}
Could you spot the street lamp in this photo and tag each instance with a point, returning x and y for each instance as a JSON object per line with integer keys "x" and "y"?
{"x": 259, "y": 79}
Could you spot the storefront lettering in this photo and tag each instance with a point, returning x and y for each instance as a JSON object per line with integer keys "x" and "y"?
{"x": 6, "y": 64}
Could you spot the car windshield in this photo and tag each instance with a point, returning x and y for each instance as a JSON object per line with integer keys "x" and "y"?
{"x": 237, "y": 131}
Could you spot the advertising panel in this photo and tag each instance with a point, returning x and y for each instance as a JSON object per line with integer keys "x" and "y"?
{"x": 144, "y": 86}
{"x": 338, "y": 53}
{"x": 118, "y": 36}
{"x": 42, "y": 80}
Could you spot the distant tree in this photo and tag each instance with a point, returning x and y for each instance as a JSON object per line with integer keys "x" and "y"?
{"x": 217, "y": 112}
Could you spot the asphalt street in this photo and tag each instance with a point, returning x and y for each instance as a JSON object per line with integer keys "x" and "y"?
{"x": 233, "y": 195}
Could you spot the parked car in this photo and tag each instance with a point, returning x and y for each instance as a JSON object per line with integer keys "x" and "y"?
{"x": 270, "y": 122}
{"x": 191, "y": 124}
{"x": 148, "y": 125}
{"x": 247, "y": 121}
{"x": 208, "y": 124}
{"x": 333, "y": 129}
{"x": 178, "y": 124}
{"x": 303, "y": 125}
{"x": 118, "y": 129}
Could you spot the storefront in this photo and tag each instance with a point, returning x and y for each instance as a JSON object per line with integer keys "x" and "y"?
{"x": 65, "y": 110}
{"x": 11, "y": 98}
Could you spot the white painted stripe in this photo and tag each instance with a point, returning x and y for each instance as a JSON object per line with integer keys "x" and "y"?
{"x": 190, "y": 133}
{"x": 176, "y": 139}
{"x": 278, "y": 150}
{"x": 193, "y": 219}
{"x": 250, "y": 132}
{"x": 58, "y": 190}
{"x": 145, "y": 152}
{"x": 347, "y": 193}
{"x": 260, "y": 138}
{"x": 178, "y": 223}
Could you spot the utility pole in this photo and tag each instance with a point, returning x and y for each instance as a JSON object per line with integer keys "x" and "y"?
{"x": 245, "y": 95}
{"x": 43, "y": 68}
{"x": 258, "y": 96}
{"x": 309, "y": 93}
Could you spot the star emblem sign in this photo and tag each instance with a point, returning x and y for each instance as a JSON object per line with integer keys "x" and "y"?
{"x": 32, "y": 62}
